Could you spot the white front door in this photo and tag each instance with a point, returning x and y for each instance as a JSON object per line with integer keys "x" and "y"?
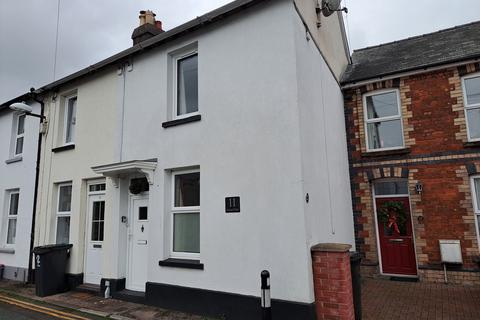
{"x": 94, "y": 239}
{"x": 138, "y": 244}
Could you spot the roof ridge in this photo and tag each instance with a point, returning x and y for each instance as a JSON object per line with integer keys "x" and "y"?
{"x": 418, "y": 36}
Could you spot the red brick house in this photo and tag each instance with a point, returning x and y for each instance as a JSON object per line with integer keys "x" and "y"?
{"x": 412, "y": 111}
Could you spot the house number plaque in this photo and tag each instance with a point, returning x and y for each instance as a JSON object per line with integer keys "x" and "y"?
{"x": 232, "y": 204}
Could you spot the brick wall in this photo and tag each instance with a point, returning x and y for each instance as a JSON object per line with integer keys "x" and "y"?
{"x": 332, "y": 282}
{"x": 436, "y": 154}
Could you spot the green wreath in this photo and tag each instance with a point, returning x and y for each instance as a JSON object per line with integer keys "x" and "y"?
{"x": 401, "y": 215}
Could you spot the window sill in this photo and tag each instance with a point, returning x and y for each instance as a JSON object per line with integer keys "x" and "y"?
{"x": 14, "y": 159}
{"x": 7, "y": 250}
{"x": 181, "y": 263}
{"x": 381, "y": 153}
{"x": 64, "y": 148}
{"x": 472, "y": 144}
{"x": 181, "y": 121}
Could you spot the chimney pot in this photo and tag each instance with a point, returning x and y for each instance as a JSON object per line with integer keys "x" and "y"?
{"x": 148, "y": 27}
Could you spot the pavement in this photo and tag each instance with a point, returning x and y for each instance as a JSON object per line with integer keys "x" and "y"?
{"x": 381, "y": 299}
{"x": 384, "y": 299}
{"x": 89, "y": 306}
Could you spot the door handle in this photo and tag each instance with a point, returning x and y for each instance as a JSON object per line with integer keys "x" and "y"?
{"x": 396, "y": 240}
{"x": 143, "y": 242}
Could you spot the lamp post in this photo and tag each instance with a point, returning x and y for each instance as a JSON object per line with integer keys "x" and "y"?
{"x": 23, "y": 107}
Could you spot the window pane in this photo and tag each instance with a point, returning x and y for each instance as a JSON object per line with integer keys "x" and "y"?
{"x": 97, "y": 187}
{"x": 187, "y": 190}
{"x": 98, "y": 210}
{"x": 63, "y": 230}
{"x": 473, "y": 118}
{"x": 382, "y": 105}
{"x": 13, "y": 204}
{"x": 143, "y": 213}
{"x": 19, "y": 146}
{"x": 477, "y": 193}
{"x": 71, "y": 114}
{"x": 472, "y": 88}
{"x": 187, "y": 85}
{"x": 21, "y": 124}
{"x": 64, "y": 198}
{"x": 384, "y": 188}
{"x": 385, "y": 134}
{"x": 12, "y": 231}
{"x": 186, "y": 232}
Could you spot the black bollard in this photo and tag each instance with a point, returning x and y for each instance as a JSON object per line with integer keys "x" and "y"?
{"x": 266, "y": 303}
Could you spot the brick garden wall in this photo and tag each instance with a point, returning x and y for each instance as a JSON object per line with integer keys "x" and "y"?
{"x": 437, "y": 154}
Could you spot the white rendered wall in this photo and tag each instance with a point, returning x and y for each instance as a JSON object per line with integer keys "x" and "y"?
{"x": 324, "y": 147}
{"x": 247, "y": 144}
{"x": 95, "y": 143}
{"x": 18, "y": 175}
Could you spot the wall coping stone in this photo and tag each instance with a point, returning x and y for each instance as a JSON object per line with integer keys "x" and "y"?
{"x": 331, "y": 247}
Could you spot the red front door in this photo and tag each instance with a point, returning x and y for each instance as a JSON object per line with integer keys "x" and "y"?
{"x": 395, "y": 235}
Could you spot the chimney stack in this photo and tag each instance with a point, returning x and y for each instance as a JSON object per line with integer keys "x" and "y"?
{"x": 148, "y": 27}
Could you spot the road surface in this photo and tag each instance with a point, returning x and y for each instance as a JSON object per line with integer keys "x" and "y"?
{"x": 14, "y": 309}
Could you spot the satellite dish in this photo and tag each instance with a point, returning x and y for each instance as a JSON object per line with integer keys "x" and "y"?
{"x": 330, "y": 6}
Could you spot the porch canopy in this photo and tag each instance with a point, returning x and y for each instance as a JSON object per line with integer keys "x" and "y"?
{"x": 116, "y": 171}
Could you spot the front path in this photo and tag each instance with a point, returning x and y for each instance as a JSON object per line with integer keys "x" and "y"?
{"x": 384, "y": 299}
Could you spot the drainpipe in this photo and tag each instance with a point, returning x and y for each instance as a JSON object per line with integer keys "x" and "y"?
{"x": 35, "y": 194}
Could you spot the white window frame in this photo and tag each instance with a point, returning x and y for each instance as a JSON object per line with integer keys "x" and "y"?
{"x": 467, "y": 106}
{"x": 384, "y": 119}
{"x": 174, "y": 210}
{"x": 65, "y": 119}
{"x": 59, "y": 214}
{"x": 176, "y": 59}
{"x": 476, "y": 207}
{"x": 9, "y": 217}
{"x": 17, "y": 135}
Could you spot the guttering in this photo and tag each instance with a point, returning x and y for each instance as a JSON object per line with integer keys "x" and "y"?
{"x": 409, "y": 72}
{"x": 35, "y": 192}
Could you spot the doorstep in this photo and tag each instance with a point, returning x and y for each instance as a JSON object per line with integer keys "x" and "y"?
{"x": 92, "y": 303}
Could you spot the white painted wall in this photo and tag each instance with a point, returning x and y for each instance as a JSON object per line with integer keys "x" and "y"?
{"x": 259, "y": 89}
{"x": 249, "y": 144}
{"x": 330, "y": 36}
{"x": 18, "y": 175}
{"x": 324, "y": 147}
{"x": 95, "y": 143}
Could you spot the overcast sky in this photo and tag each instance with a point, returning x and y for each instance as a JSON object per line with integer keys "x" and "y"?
{"x": 91, "y": 30}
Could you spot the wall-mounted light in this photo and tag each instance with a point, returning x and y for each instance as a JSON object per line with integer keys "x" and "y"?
{"x": 419, "y": 187}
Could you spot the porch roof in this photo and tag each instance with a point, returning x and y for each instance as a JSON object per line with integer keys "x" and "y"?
{"x": 120, "y": 169}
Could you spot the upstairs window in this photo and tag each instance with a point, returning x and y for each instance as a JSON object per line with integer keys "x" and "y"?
{"x": 383, "y": 120}
{"x": 19, "y": 135}
{"x": 70, "y": 119}
{"x": 471, "y": 92}
{"x": 12, "y": 214}
{"x": 64, "y": 208}
{"x": 186, "y": 85}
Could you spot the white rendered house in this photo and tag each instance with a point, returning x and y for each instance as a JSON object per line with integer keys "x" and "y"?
{"x": 18, "y": 158}
{"x": 182, "y": 167}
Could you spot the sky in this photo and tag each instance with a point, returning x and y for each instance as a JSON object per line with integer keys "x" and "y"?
{"x": 91, "y": 30}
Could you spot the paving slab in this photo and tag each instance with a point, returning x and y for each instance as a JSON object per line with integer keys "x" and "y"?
{"x": 385, "y": 299}
{"x": 96, "y": 305}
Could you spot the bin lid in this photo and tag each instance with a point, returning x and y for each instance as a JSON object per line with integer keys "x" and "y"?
{"x": 355, "y": 256}
{"x": 51, "y": 247}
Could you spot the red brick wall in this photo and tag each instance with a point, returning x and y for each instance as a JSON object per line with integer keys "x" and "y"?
{"x": 437, "y": 155}
{"x": 333, "y": 285}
